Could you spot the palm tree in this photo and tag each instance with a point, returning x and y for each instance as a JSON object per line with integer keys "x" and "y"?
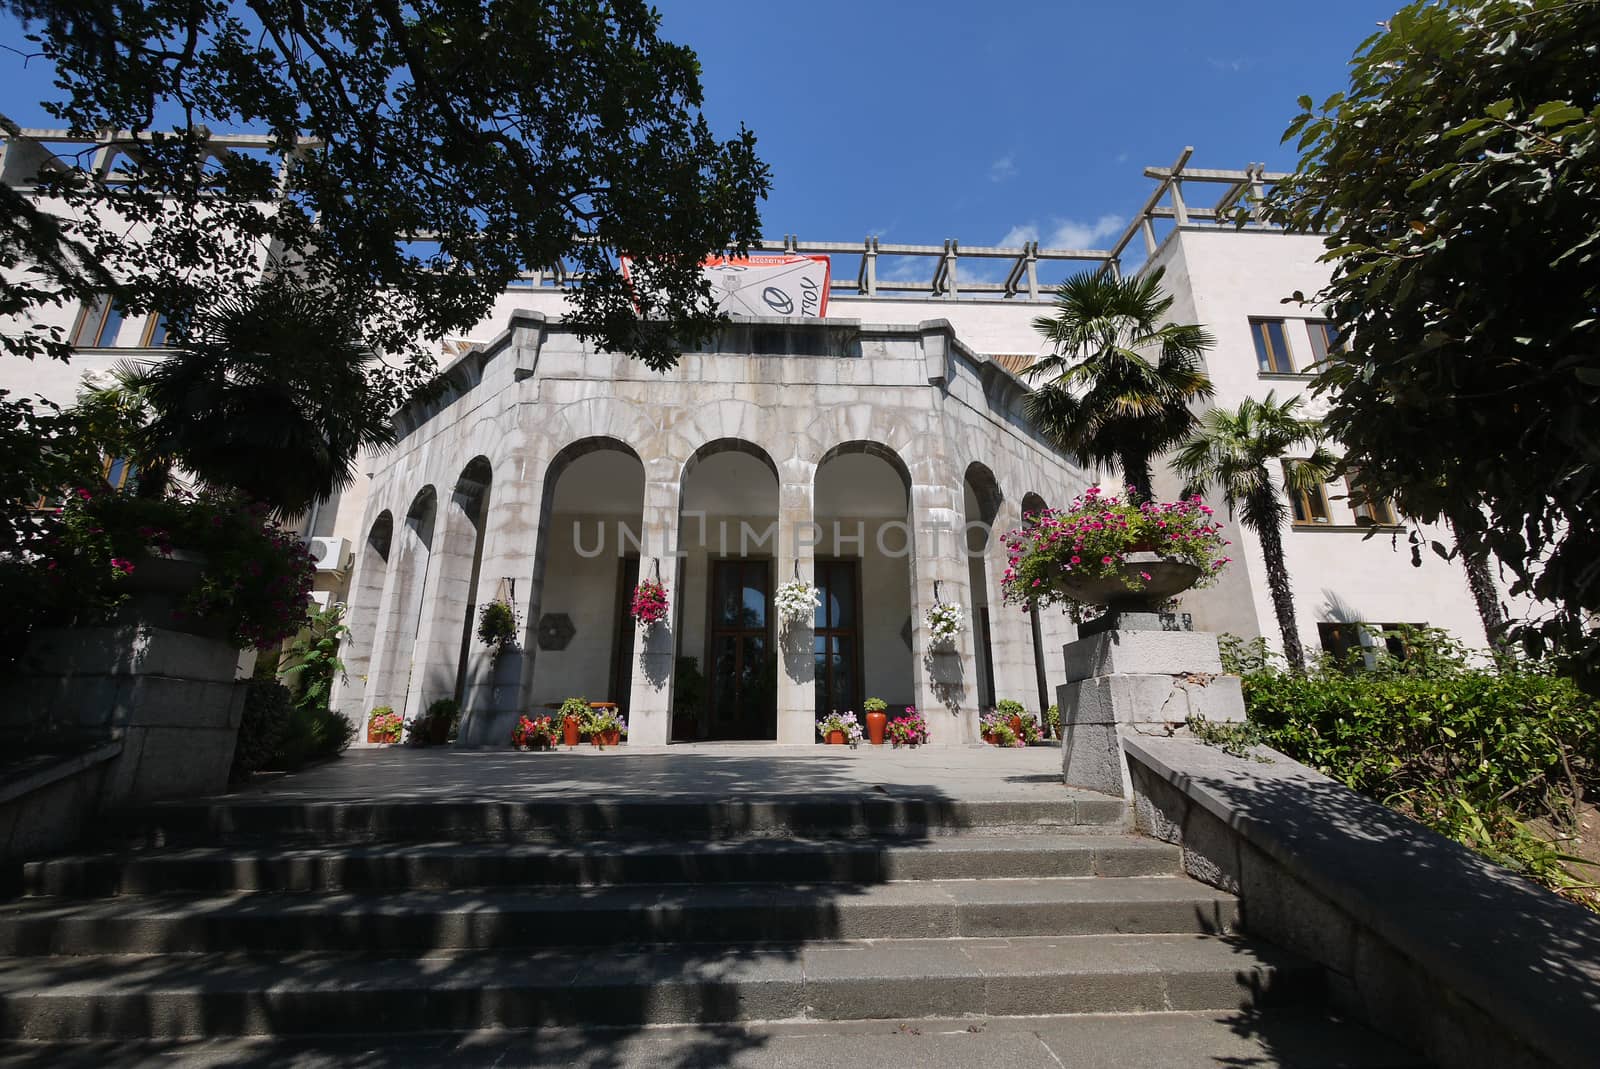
{"x": 268, "y": 394}
{"x": 1236, "y": 451}
{"x": 1121, "y": 379}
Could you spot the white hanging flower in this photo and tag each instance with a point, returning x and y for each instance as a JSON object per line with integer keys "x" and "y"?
{"x": 797, "y": 601}
{"x": 944, "y": 621}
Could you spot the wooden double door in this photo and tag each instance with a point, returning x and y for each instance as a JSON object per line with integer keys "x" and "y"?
{"x": 743, "y": 664}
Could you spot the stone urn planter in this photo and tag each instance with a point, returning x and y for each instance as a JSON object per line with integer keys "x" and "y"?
{"x": 156, "y": 589}
{"x": 1168, "y": 579}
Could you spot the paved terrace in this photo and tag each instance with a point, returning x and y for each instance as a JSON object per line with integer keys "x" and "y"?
{"x": 711, "y": 771}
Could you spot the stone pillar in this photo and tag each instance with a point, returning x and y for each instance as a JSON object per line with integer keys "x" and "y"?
{"x": 437, "y": 657}
{"x": 797, "y": 540}
{"x": 947, "y": 682}
{"x": 1138, "y": 673}
{"x": 349, "y": 694}
{"x": 1010, "y": 628}
{"x": 656, "y": 647}
{"x": 496, "y": 688}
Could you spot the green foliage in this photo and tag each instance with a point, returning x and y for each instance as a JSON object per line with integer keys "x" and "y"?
{"x": 1240, "y": 740}
{"x": 311, "y": 659}
{"x": 578, "y": 708}
{"x": 1007, "y": 707}
{"x": 447, "y": 710}
{"x": 263, "y": 727}
{"x": 1474, "y": 753}
{"x": 1053, "y": 715}
{"x": 312, "y": 735}
{"x": 497, "y": 626}
{"x": 1241, "y": 656}
{"x": 275, "y": 369}
{"x": 1105, "y": 400}
{"x": 1457, "y": 182}
{"x": 516, "y": 136}
{"x": 874, "y": 705}
{"x": 387, "y": 723}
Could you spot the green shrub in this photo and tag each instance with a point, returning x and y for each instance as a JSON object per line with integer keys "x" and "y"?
{"x": 1474, "y": 753}
{"x": 312, "y": 734}
{"x": 1007, "y": 707}
{"x": 262, "y": 727}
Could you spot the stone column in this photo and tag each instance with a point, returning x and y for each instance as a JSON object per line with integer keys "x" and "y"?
{"x": 496, "y": 688}
{"x": 797, "y": 541}
{"x": 1011, "y": 631}
{"x": 349, "y": 695}
{"x": 656, "y": 647}
{"x": 1135, "y": 673}
{"x": 946, "y": 671}
{"x": 437, "y": 656}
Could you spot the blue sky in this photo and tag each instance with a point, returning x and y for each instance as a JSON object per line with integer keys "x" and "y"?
{"x": 982, "y": 122}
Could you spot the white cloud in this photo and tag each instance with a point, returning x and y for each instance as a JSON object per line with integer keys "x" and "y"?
{"x": 1071, "y": 234}
{"x": 1065, "y": 233}
{"x": 906, "y": 268}
{"x": 1003, "y": 168}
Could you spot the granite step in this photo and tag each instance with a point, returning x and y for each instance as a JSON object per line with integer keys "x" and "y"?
{"x": 443, "y": 866}
{"x": 851, "y": 816}
{"x": 421, "y": 921}
{"x": 181, "y": 996}
{"x": 1285, "y": 1036}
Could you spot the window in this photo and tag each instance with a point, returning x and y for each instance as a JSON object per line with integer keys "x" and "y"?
{"x": 1343, "y": 639}
{"x": 1324, "y": 339}
{"x": 1272, "y": 346}
{"x": 1310, "y": 505}
{"x": 118, "y": 472}
{"x": 98, "y": 325}
{"x": 1370, "y": 511}
{"x": 155, "y": 331}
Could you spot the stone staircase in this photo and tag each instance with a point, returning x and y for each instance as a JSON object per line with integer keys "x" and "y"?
{"x": 666, "y": 932}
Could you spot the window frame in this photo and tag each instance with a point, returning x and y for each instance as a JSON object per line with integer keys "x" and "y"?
{"x": 1300, "y": 500}
{"x": 1320, "y": 333}
{"x": 98, "y": 312}
{"x": 1262, "y": 343}
{"x": 1379, "y": 512}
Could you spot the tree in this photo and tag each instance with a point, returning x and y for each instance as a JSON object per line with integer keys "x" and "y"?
{"x": 430, "y": 152}
{"x": 267, "y": 396}
{"x": 1236, "y": 452}
{"x": 1458, "y": 185}
{"x": 1120, "y": 378}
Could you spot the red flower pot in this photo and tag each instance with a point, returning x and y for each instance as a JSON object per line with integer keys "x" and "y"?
{"x": 1016, "y": 726}
{"x": 569, "y": 731}
{"x": 835, "y": 738}
{"x": 373, "y": 735}
{"x": 611, "y": 738}
{"x": 989, "y": 738}
{"x": 876, "y": 722}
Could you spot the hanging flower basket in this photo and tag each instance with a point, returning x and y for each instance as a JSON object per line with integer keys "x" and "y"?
{"x": 797, "y": 602}
{"x": 497, "y": 626}
{"x": 945, "y": 621}
{"x": 649, "y": 603}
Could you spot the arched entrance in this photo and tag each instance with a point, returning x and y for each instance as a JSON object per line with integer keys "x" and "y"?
{"x": 589, "y": 564}
{"x": 981, "y": 504}
{"x": 366, "y": 598}
{"x": 727, "y": 540}
{"x": 1032, "y": 506}
{"x": 403, "y": 617}
{"x": 862, "y": 642}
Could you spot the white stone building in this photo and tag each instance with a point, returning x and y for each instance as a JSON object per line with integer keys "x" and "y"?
{"x": 871, "y": 452}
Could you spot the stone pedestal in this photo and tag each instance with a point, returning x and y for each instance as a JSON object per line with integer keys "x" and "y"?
{"x": 171, "y": 699}
{"x": 1136, "y": 673}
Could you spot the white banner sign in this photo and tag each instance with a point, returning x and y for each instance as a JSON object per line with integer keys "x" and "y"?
{"x": 779, "y": 284}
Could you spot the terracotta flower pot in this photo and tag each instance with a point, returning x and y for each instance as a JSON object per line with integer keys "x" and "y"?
{"x": 569, "y": 731}
{"x": 374, "y": 735}
{"x": 835, "y": 738}
{"x": 611, "y": 738}
{"x": 989, "y": 737}
{"x": 1016, "y": 726}
{"x": 876, "y": 722}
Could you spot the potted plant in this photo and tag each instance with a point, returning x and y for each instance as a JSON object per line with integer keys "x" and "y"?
{"x": 1106, "y": 551}
{"x": 384, "y": 725}
{"x": 649, "y": 606}
{"x": 945, "y": 621}
{"x": 533, "y": 733}
{"x": 796, "y": 602}
{"x": 996, "y": 730}
{"x": 1013, "y": 712}
{"x": 442, "y": 717}
{"x": 908, "y": 729}
{"x": 572, "y": 714}
{"x": 877, "y": 719}
{"x": 838, "y": 729}
{"x": 603, "y": 726}
{"x": 497, "y": 626}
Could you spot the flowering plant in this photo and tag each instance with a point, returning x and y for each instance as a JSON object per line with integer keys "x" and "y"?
{"x": 385, "y": 724}
{"x": 531, "y": 730}
{"x": 255, "y": 582}
{"x": 944, "y": 621}
{"x": 845, "y": 722}
{"x": 995, "y": 727}
{"x": 497, "y": 625}
{"x": 796, "y": 601}
{"x": 1093, "y": 537}
{"x": 909, "y": 729}
{"x": 649, "y": 602}
{"x": 599, "y": 721}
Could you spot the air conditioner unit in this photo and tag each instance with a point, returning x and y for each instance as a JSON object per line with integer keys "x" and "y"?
{"x": 331, "y": 554}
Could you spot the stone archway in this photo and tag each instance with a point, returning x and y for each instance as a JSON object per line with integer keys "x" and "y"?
{"x": 981, "y": 499}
